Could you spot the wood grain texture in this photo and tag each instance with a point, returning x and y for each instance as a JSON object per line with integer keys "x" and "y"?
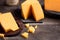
{"x": 48, "y": 30}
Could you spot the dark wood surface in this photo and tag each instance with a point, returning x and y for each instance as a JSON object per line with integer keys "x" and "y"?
{"x": 48, "y": 30}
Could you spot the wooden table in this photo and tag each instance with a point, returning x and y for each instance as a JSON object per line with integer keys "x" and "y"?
{"x": 48, "y": 30}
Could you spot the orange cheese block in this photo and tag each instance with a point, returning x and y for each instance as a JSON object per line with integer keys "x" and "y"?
{"x": 37, "y": 11}
{"x": 8, "y": 22}
{"x": 25, "y": 8}
{"x": 35, "y": 8}
{"x": 53, "y": 5}
{"x": 25, "y": 34}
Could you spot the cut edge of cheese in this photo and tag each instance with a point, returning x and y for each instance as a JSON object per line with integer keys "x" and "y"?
{"x": 8, "y": 22}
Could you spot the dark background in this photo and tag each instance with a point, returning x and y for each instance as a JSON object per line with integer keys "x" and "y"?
{"x": 4, "y": 7}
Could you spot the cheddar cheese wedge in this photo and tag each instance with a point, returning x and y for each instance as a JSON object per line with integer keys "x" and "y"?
{"x": 53, "y": 5}
{"x": 37, "y": 11}
{"x": 25, "y": 9}
{"x": 8, "y": 22}
{"x": 35, "y": 7}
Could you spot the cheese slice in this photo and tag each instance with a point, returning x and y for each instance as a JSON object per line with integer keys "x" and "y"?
{"x": 25, "y": 9}
{"x": 37, "y": 11}
{"x": 8, "y": 22}
{"x": 35, "y": 8}
{"x": 53, "y": 5}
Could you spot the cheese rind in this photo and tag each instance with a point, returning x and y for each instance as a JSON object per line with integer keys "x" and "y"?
{"x": 53, "y": 5}
{"x": 8, "y": 22}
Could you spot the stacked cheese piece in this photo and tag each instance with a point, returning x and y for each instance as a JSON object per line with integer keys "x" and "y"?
{"x": 35, "y": 7}
{"x": 8, "y": 22}
{"x": 53, "y": 5}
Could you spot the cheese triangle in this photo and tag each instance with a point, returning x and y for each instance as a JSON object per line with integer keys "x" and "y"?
{"x": 37, "y": 11}
{"x": 25, "y": 9}
{"x": 8, "y": 22}
{"x": 53, "y": 5}
{"x": 35, "y": 8}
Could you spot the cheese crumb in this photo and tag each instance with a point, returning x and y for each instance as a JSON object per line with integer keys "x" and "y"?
{"x": 36, "y": 27}
{"x": 31, "y": 29}
{"x": 25, "y": 34}
{"x": 27, "y": 25}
